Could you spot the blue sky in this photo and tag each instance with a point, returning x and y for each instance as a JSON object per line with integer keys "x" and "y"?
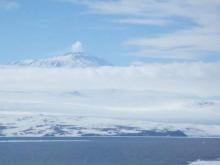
{"x": 120, "y": 31}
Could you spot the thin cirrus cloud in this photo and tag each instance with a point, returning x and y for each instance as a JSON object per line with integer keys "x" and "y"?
{"x": 7, "y": 5}
{"x": 183, "y": 44}
{"x": 140, "y": 21}
{"x": 203, "y": 36}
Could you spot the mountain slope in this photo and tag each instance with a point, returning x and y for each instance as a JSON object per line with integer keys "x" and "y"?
{"x": 18, "y": 125}
{"x": 69, "y": 60}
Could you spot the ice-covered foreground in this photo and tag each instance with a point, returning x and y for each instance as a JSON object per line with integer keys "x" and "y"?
{"x": 183, "y": 97}
{"x": 200, "y": 162}
{"x": 60, "y": 125}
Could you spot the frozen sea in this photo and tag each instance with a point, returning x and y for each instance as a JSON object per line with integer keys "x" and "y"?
{"x": 108, "y": 151}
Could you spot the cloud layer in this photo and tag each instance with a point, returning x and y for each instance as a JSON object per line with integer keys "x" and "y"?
{"x": 179, "y": 92}
{"x": 197, "y": 78}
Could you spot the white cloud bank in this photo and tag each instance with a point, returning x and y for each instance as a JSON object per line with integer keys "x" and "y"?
{"x": 198, "y": 78}
{"x": 179, "y": 92}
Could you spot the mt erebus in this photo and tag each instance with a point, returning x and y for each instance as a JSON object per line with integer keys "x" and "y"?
{"x": 68, "y": 60}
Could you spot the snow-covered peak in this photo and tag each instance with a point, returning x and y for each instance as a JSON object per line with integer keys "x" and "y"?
{"x": 73, "y": 59}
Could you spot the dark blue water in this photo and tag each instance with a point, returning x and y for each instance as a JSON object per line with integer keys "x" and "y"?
{"x": 108, "y": 151}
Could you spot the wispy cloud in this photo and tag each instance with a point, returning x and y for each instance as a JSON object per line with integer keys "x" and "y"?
{"x": 8, "y": 5}
{"x": 187, "y": 44}
{"x": 141, "y": 21}
{"x": 202, "y": 36}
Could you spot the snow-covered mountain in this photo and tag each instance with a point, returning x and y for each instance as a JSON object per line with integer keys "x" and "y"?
{"x": 68, "y": 60}
{"x": 17, "y": 125}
